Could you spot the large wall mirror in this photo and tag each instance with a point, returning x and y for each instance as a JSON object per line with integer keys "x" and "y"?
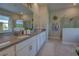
{"x": 5, "y": 24}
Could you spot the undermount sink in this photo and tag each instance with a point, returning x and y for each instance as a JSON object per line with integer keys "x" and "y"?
{"x": 4, "y": 44}
{"x": 21, "y": 37}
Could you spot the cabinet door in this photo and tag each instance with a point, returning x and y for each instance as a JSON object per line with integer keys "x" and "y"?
{"x": 29, "y": 49}
{"x": 34, "y": 47}
{"x": 44, "y": 37}
{"x": 8, "y": 52}
{"x": 41, "y": 39}
{"x": 23, "y": 44}
{"x": 24, "y": 51}
{"x": 38, "y": 42}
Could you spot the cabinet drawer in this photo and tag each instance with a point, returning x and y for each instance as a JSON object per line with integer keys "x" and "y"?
{"x": 24, "y": 51}
{"x": 23, "y": 44}
{"x": 8, "y": 52}
{"x": 29, "y": 49}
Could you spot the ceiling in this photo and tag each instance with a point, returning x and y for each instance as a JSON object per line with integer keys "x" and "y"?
{"x": 59, "y": 6}
{"x": 16, "y": 8}
{"x": 51, "y": 7}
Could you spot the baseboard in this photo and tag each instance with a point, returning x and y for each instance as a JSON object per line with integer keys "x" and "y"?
{"x": 40, "y": 48}
{"x": 70, "y": 43}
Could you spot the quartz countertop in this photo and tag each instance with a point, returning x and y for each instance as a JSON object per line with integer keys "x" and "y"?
{"x": 15, "y": 40}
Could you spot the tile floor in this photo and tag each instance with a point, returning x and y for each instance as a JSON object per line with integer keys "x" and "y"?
{"x": 57, "y": 48}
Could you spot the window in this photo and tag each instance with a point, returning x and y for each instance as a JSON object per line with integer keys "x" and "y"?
{"x": 4, "y": 23}
{"x": 19, "y": 23}
{"x": 5, "y": 26}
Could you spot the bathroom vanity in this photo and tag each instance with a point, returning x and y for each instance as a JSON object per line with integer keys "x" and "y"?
{"x": 23, "y": 45}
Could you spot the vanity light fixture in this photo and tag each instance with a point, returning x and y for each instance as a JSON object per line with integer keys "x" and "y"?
{"x": 55, "y": 17}
{"x": 35, "y": 3}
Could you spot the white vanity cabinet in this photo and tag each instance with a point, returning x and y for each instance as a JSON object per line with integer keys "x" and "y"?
{"x": 31, "y": 46}
{"x": 34, "y": 46}
{"x": 8, "y": 52}
{"x": 41, "y": 38}
{"x": 26, "y": 51}
{"x": 27, "y": 47}
{"x": 38, "y": 42}
{"x": 44, "y": 37}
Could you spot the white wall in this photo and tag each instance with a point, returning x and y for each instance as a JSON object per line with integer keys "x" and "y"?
{"x": 41, "y": 18}
{"x": 70, "y": 35}
{"x": 36, "y": 18}
{"x": 67, "y": 12}
{"x": 44, "y": 20}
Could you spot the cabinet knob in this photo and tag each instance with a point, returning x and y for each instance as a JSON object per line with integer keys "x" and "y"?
{"x": 30, "y": 47}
